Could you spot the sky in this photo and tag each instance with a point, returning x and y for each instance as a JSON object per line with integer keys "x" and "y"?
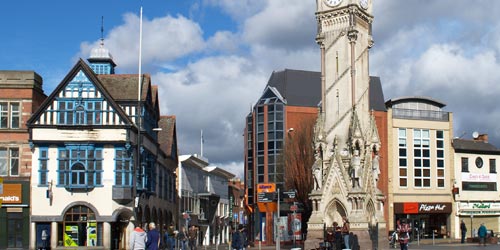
{"x": 212, "y": 58}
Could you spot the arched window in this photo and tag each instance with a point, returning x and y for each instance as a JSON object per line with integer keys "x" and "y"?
{"x": 80, "y": 228}
{"x": 78, "y": 175}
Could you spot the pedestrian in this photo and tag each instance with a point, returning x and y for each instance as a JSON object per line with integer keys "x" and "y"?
{"x": 403, "y": 233}
{"x": 138, "y": 239}
{"x": 338, "y": 236}
{"x": 330, "y": 237}
{"x": 463, "y": 231}
{"x": 237, "y": 239}
{"x": 153, "y": 237}
{"x": 170, "y": 237}
{"x": 481, "y": 232}
{"x": 182, "y": 238}
{"x": 193, "y": 236}
{"x": 345, "y": 231}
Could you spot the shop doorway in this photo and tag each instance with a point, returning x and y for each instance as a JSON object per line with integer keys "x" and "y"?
{"x": 426, "y": 226}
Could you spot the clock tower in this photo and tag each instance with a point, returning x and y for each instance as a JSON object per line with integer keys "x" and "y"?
{"x": 346, "y": 138}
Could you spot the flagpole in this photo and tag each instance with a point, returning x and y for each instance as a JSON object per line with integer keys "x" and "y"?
{"x": 201, "y": 143}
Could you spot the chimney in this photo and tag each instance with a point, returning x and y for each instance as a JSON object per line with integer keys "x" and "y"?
{"x": 483, "y": 138}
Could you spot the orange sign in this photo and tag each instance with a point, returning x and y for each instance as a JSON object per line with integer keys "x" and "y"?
{"x": 266, "y": 188}
{"x": 12, "y": 194}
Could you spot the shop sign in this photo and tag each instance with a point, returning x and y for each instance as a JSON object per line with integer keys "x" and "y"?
{"x": 479, "y": 205}
{"x": 422, "y": 208}
{"x": 475, "y": 177}
{"x": 12, "y": 194}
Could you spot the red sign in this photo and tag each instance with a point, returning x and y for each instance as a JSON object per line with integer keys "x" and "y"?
{"x": 293, "y": 208}
{"x": 422, "y": 208}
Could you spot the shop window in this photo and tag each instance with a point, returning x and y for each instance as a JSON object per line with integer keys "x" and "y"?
{"x": 80, "y": 228}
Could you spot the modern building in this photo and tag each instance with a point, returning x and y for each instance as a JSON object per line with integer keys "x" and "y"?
{"x": 21, "y": 93}
{"x": 475, "y": 186}
{"x": 204, "y": 198}
{"x": 103, "y": 158}
{"x": 290, "y": 98}
{"x": 421, "y": 166}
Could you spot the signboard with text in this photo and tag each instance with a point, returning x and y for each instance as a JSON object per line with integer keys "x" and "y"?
{"x": 12, "y": 194}
{"x": 422, "y": 208}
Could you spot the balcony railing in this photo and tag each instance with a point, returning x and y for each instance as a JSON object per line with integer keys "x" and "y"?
{"x": 415, "y": 114}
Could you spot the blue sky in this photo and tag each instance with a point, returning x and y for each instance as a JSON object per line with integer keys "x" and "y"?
{"x": 212, "y": 58}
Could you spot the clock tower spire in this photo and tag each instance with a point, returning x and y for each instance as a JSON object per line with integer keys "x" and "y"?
{"x": 346, "y": 137}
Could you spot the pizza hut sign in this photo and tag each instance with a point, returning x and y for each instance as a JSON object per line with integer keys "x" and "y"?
{"x": 422, "y": 208}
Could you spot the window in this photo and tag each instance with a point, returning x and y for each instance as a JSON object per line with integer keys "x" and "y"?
{"x": 440, "y": 170}
{"x": 421, "y": 158}
{"x": 124, "y": 166}
{"x": 77, "y": 112}
{"x": 10, "y": 115}
{"x": 80, "y": 167}
{"x": 80, "y": 228}
{"x": 43, "y": 170}
{"x": 493, "y": 166}
{"x": 403, "y": 166}
{"x": 9, "y": 161}
{"x": 465, "y": 165}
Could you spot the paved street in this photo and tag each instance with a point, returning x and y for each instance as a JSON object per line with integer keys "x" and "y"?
{"x": 424, "y": 245}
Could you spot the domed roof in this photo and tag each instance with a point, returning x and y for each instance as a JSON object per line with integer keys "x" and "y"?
{"x": 100, "y": 52}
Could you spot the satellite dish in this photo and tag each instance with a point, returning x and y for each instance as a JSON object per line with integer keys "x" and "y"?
{"x": 475, "y": 134}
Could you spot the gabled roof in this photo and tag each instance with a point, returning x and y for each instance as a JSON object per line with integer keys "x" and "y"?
{"x": 219, "y": 172}
{"x": 474, "y": 146}
{"x": 167, "y": 137}
{"x": 298, "y": 87}
{"x": 123, "y": 87}
{"x": 89, "y": 73}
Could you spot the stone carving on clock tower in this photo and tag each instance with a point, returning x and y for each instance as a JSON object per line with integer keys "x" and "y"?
{"x": 346, "y": 137}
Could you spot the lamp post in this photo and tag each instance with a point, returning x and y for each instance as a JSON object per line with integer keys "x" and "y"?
{"x": 471, "y": 231}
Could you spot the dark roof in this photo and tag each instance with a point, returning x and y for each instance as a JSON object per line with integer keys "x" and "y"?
{"x": 303, "y": 88}
{"x": 391, "y": 102}
{"x": 376, "y": 94}
{"x": 123, "y": 87}
{"x": 298, "y": 87}
{"x": 167, "y": 135}
{"x": 474, "y": 146}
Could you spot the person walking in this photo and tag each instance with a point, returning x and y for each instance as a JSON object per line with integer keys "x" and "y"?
{"x": 237, "y": 239}
{"x": 138, "y": 239}
{"x": 481, "y": 232}
{"x": 345, "y": 232}
{"x": 463, "y": 231}
{"x": 153, "y": 238}
{"x": 193, "y": 236}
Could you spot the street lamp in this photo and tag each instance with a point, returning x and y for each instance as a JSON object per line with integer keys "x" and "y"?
{"x": 471, "y": 233}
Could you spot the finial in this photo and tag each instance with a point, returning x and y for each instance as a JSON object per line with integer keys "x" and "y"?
{"x": 102, "y": 28}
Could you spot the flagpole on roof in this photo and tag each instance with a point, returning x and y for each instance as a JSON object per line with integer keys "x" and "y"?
{"x": 201, "y": 142}
{"x": 139, "y": 85}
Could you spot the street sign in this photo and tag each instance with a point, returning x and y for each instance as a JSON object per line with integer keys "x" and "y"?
{"x": 294, "y": 208}
{"x": 289, "y": 195}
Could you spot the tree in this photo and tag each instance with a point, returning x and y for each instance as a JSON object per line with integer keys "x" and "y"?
{"x": 298, "y": 158}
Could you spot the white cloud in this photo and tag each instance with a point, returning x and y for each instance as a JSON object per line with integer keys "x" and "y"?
{"x": 164, "y": 39}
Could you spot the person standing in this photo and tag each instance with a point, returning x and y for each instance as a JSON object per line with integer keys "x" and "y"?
{"x": 182, "y": 238}
{"x": 463, "y": 231}
{"x": 481, "y": 232}
{"x": 170, "y": 237}
{"x": 138, "y": 239}
{"x": 403, "y": 232}
{"x": 345, "y": 232}
{"x": 193, "y": 236}
{"x": 153, "y": 238}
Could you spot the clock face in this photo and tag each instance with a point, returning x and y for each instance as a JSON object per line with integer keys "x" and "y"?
{"x": 479, "y": 162}
{"x": 333, "y": 2}
{"x": 364, "y": 4}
